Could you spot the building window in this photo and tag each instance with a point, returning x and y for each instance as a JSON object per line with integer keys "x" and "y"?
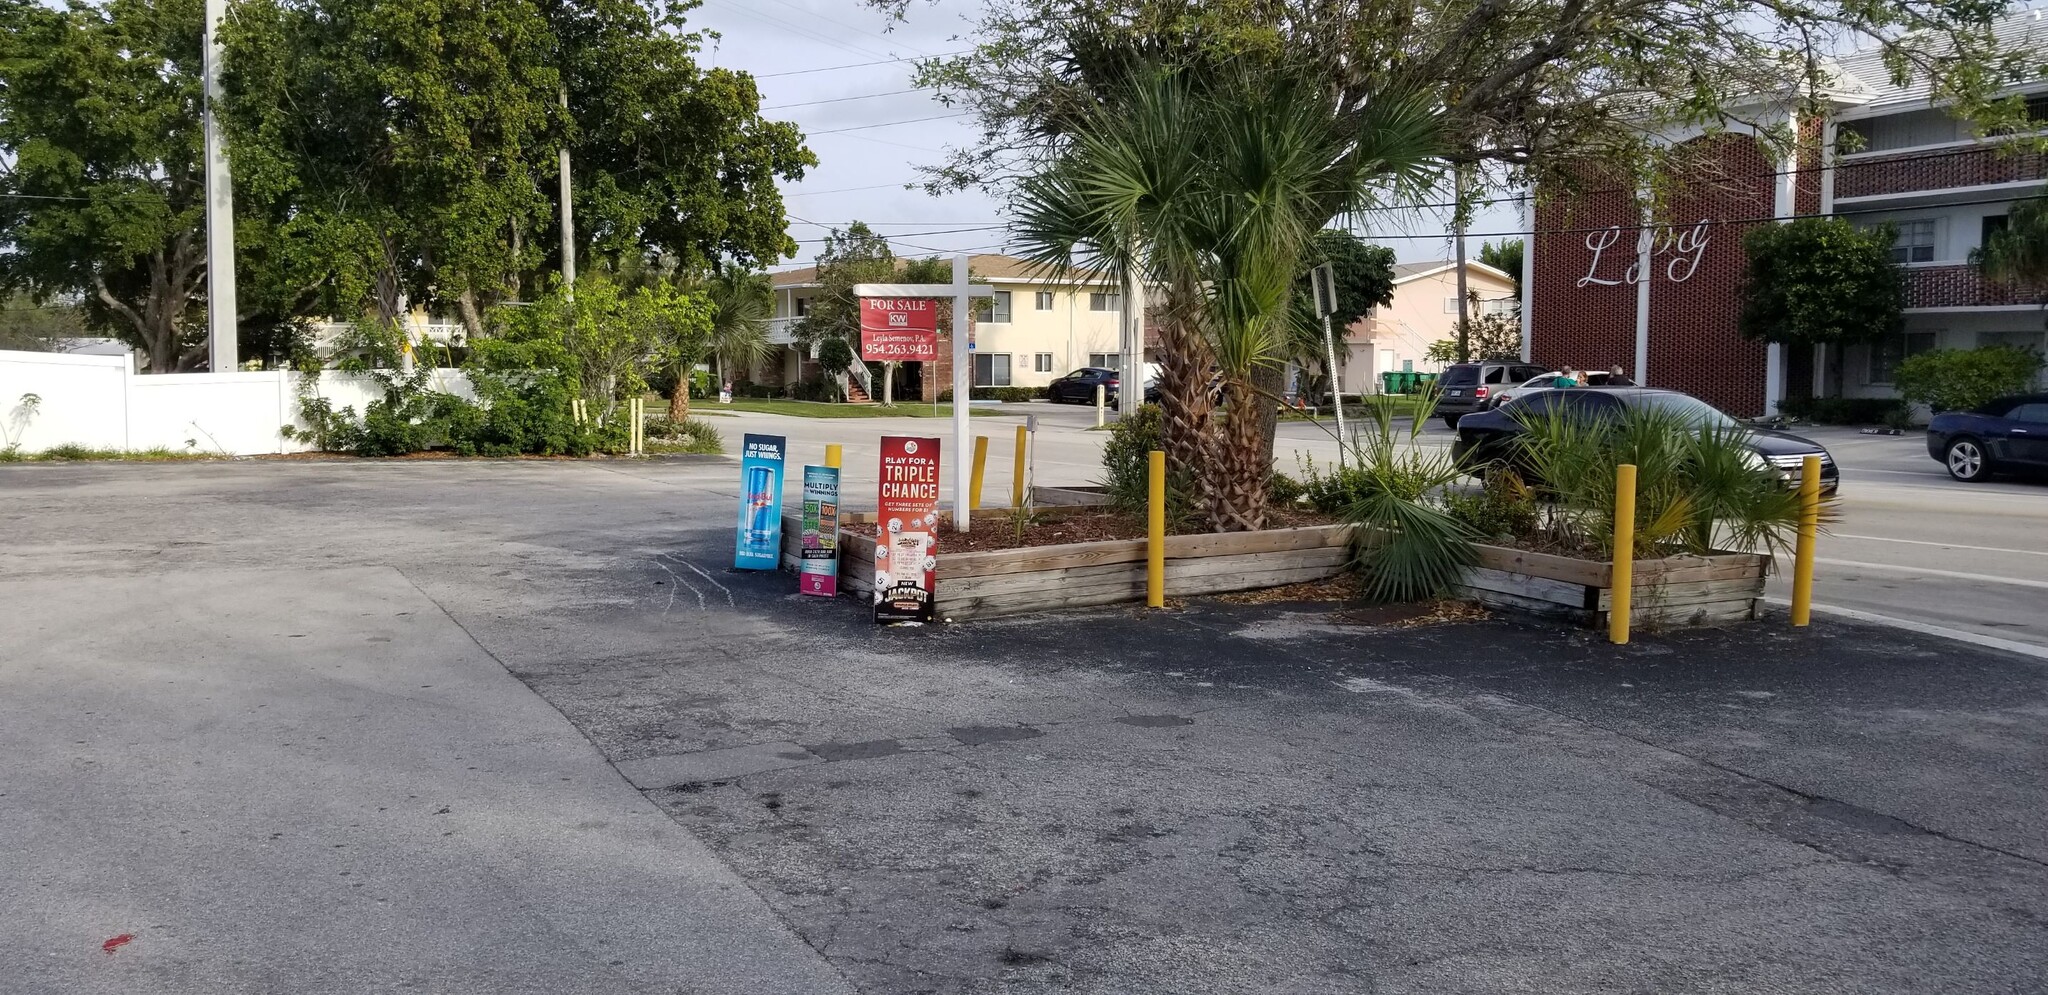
{"x": 803, "y": 306}
{"x": 2016, "y": 340}
{"x": 1106, "y": 360}
{"x": 1105, "y": 302}
{"x": 991, "y": 369}
{"x": 1041, "y": 363}
{"x": 1885, "y": 355}
{"x": 1043, "y": 301}
{"x": 1451, "y": 305}
{"x": 1993, "y": 224}
{"x": 1915, "y": 243}
{"x": 1000, "y": 313}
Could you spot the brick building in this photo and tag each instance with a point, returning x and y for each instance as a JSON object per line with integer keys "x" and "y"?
{"x": 1602, "y": 290}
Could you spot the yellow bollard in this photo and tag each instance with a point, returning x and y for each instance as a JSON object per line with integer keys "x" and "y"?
{"x": 1155, "y": 534}
{"x": 1624, "y": 576}
{"x": 1017, "y": 470}
{"x": 832, "y": 455}
{"x": 1809, "y": 529}
{"x": 980, "y": 464}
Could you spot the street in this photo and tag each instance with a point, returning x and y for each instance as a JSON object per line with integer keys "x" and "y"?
{"x": 1910, "y": 543}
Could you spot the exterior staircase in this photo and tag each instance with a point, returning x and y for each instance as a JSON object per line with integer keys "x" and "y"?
{"x": 855, "y": 394}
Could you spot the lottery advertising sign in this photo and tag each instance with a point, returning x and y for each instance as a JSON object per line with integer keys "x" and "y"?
{"x": 903, "y": 329}
{"x": 906, "y": 544}
{"x": 818, "y": 562}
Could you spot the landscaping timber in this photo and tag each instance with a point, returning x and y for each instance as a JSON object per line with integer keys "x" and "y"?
{"x": 1669, "y": 591}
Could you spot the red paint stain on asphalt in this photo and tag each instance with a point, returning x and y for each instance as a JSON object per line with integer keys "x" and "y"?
{"x": 118, "y": 942}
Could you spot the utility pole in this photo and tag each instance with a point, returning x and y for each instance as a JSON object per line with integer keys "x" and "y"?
{"x": 568, "y": 212}
{"x": 1458, "y": 249}
{"x": 222, "y": 347}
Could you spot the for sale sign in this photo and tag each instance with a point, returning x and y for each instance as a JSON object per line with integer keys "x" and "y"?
{"x": 901, "y": 329}
{"x": 906, "y": 546}
{"x": 818, "y": 561}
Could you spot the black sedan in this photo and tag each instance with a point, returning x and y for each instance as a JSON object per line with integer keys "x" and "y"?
{"x": 1488, "y": 437}
{"x": 2008, "y": 434}
{"x": 1079, "y": 386}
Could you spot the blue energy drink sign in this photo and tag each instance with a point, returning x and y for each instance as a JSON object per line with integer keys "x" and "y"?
{"x": 760, "y": 532}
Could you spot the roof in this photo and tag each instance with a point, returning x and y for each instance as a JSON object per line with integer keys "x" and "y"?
{"x": 1404, "y": 272}
{"x": 1865, "y": 72}
{"x": 987, "y": 265}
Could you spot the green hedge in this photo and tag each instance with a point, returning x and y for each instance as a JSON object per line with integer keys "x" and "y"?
{"x": 1965, "y": 379}
{"x": 1008, "y": 395}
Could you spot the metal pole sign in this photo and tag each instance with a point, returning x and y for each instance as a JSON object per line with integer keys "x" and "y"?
{"x": 963, "y": 293}
{"x": 1323, "y": 281}
{"x": 759, "y": 545}
{"x": 906, "y": 543}
{"x": 818, "y": 556}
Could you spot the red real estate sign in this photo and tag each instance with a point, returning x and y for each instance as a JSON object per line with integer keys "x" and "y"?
{"x": 904, "y": 329}
{"x": 907, "y": 540}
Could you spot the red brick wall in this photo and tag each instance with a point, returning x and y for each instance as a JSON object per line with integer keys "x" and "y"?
{"x": 1594, "y": 325}
{"x": 1936, "y": 170}
{"x": 1959, "y": 286}
{"x": 1695, "y": 345}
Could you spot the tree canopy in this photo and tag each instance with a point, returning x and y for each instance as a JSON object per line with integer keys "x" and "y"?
{"x": 2019, "y": 252}
{"x": 1536, "y": 89}
{"x": 1821, "y": 281}
{"x": 1506, "y": 256}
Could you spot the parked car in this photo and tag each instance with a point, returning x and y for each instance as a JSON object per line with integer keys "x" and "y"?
{"x": 1079, "y": 386}
{"x": 1544, "y": 381}
{"x": 1468, "y": 387}
{"x": 1488, "y": 438}
{"x": 2008, "y": 434}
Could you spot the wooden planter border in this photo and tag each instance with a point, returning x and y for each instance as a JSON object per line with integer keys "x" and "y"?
{"x": 1672, "y": 590}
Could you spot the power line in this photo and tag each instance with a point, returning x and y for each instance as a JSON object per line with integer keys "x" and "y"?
{"x": 887, "y": 124}
{"x": 841, "y": 100}
{"x": 905, "y": 184}
{"x": 850, "y": 27}
{"x": 853, "y": 65}
{"x": 817, "y": 36}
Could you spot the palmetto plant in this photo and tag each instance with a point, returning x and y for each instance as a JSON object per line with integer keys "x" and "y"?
{"x": 741, "y": 304}
{"x": 1410, "y": 548}
{"x": 1207, "y": 182}
{"x": 2019, "y": 254}
{"x": 1699, "y": 487}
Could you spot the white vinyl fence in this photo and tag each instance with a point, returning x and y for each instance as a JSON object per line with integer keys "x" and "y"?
{"x": 101, "y": 402}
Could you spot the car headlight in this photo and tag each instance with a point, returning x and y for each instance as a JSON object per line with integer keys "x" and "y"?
{"x": 1755, "y": 461}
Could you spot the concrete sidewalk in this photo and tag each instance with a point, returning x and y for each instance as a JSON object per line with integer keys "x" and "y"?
{"x": 315, "y": 781}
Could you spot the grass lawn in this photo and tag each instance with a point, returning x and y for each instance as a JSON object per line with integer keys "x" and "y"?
{"x": 819, "y": 409}
{"x": 67, "y": 453}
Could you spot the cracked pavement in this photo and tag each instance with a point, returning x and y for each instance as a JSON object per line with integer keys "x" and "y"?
{"x": 1225, "y": 798}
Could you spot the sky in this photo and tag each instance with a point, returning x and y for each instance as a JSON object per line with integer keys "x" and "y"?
{"x": 840, "y": 72}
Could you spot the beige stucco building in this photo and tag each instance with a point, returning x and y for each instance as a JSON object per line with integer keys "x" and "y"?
{"x": 1036, "y": 329}
{"x": 1424, "y": 310}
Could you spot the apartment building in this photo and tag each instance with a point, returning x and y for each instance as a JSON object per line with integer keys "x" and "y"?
{"x": 1034, "y": 330}
{"x": 1601, "y": 289}
{"x": 1424, "y": 311}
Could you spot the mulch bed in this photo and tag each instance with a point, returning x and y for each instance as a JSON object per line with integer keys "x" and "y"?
{"x": 996, "y": 528}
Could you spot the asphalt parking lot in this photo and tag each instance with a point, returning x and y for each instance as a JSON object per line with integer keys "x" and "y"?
{"x": 512, "y": 727}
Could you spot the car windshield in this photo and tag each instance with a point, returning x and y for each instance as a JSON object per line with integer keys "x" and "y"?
{"x": 1461, "y": 375}
{"x": 1543, "y": 381}
{"x": 1691, "y": 410}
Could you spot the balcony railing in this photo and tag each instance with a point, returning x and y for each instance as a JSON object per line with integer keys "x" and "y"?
{"x": 1960, "y": 286}
{"x": 779, "y": 330}
{"x": 1941, "y": 169}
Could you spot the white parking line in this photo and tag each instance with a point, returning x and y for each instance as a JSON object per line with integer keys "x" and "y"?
{"x": 1940, "y": 545}
{"x": 1925, "y": 572}
{"x": 1959, "y": 635}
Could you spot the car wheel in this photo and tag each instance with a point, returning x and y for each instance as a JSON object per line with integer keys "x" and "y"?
{"x": 1451, "y": 421}
{"x": 1967, "y": 461}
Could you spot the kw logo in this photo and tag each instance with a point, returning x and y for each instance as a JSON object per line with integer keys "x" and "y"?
{"x": 898, "y": 319}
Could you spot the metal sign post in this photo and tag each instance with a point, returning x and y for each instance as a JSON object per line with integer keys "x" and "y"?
{"x": 1323, "y": 280}
{"x": 963, "y": 294}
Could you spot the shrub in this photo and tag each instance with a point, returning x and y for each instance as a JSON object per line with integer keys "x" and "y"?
{"x": 1410, "y": 547}
{"x": 816, "y": 390}
{"x": 1965, "y": 379}
{"x": 1282, "y": 489}
{"x": 691, "y": 435}
{"x": 1127, "y": 468}
{"x": 1504, "y": 509}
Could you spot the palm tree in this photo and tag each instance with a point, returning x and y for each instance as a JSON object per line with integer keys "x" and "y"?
{"x": 2019, "y": 254}
{"x": 1209, "y": 181}
{"x": 741, "y": 304}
